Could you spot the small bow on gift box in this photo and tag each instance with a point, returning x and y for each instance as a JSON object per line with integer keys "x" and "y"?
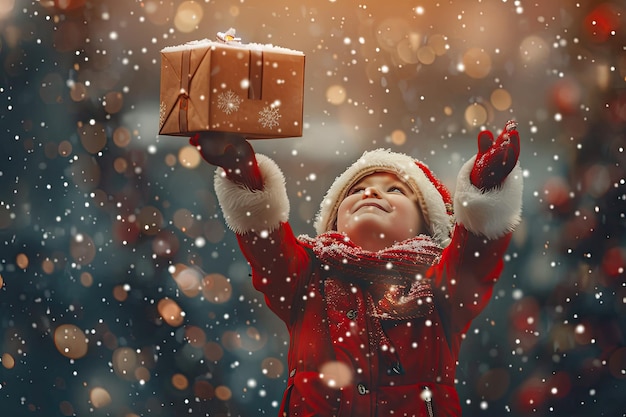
{"x": 228, "y": 36}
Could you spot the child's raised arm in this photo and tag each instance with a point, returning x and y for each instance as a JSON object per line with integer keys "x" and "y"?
{"x": 487, "y": 206}
{"x": 252, "y": 195}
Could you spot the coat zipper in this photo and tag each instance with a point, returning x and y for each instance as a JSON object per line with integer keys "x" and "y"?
{"x": 427, "y": 396}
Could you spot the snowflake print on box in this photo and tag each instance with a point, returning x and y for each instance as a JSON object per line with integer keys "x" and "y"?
{"x": 268, "y": 117}
{"x": 228, "y": 102}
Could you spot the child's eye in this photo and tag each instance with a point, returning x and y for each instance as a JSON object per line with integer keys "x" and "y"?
{"x": 396, "y": 189}
{"x": 357, "y": 190}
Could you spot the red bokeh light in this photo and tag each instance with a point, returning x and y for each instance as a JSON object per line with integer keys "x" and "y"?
{"x": 602, "y": 22}
{"x": 68, "y": 4}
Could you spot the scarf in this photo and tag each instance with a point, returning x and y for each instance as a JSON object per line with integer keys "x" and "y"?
{"x": 392, "y": 279}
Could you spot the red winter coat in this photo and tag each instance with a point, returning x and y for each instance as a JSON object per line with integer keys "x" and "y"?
{"x": 334, "y": 369}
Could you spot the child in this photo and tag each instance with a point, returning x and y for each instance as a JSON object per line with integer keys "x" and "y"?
{"x": 377, "y": 303}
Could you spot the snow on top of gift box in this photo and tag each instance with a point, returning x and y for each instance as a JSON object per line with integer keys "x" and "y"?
{"x": 229, "y": 39}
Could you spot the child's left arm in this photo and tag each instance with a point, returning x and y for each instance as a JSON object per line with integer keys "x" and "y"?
{"x": 487, "y": 205}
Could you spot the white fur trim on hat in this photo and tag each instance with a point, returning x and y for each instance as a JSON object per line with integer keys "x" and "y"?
{"x": 493, "y": 213}
{"x": 254, "y": 211}
{"x": 432, "y": 204}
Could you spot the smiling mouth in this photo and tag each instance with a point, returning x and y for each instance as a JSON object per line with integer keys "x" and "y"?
{"x": 371, "y": 204}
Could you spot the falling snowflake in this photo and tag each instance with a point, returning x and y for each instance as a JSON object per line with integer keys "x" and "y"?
{"x": 268, "y": 117}
{"x": 228, "y": 102}
{"x": 162, "y": 110}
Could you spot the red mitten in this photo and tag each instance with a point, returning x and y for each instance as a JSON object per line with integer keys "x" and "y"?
{"x": 495, "y": 159}
{"x": 233, "y": 153}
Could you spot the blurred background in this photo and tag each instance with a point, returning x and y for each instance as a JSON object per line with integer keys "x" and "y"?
{"x": 122, "y": 293}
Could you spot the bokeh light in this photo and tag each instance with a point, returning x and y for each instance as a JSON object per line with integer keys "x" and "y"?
{"x": 124, "y": 362}
{"x": 158, "y": 13}
{"x": 195, "y": 336}
{"x": 22, "y": 261}
{"x": 65, "y": 148}
{"x": 120, "y": 165}
{"x": 8, "y": 362}
{"x": 86, "y": 279}
{"x": 534, "y": 50}
{"x": 120, "y": 293}
{"x": 477, "y": 63}
{"x": 189, "y": 157}
{"x": 100, "y": 397}
{"x": 603, "y": 21}
{"x": 184, "y": 219}
{"x": 180, "y": 382}
{"x": 150, "y": 220}
{"x": 78, "y": 91}
{"x": 171, "y": 312}
{"x": 336, "y": 94}
{"x": 203, "y": 390}
{"x": 113, "y": 102}
{"x": 213, "y": 351}
{"x": 426, "y": 55}
{"x": 92, "y": 136}
{"x": 438, "y": 43}
{"x": 272, "y": 368}
{"x": 188, "y": 16}
{"x": 501, "y": 99}
{"x": 475, "y": 114}
{"x": 566, "y": 96}
{"x": 223, "y": 393}
{"x": 398, "y": 137}
{"x": 408, "y": 49}
{"x": 121, "y": 137}
{"x": 47, "y": 266}
{"x": 70, "y": 341}
{"x": 216, "y": 288}
{"x": 336, "y": 374}
{"x": 165, "y": 244}
{"x": 187, "y": 279}
{"x": 66, "y": 408}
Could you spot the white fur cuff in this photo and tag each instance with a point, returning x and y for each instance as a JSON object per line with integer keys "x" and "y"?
{"x": 254, "y": 211}
{"x": 493, "y": 213}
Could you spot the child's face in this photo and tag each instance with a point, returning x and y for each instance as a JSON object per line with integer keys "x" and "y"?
{"x": 378, "y": 211}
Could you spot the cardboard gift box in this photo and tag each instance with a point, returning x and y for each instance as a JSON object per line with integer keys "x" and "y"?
{"x": 254, "y": 90}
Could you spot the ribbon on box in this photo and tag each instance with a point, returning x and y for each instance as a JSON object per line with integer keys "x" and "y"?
{"x": 184, "y": 90}
{"x": 255, "y": 64}
{"x": 255, "y": 75}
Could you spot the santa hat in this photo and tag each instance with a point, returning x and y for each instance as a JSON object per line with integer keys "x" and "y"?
{"x": 433, "y": 198}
